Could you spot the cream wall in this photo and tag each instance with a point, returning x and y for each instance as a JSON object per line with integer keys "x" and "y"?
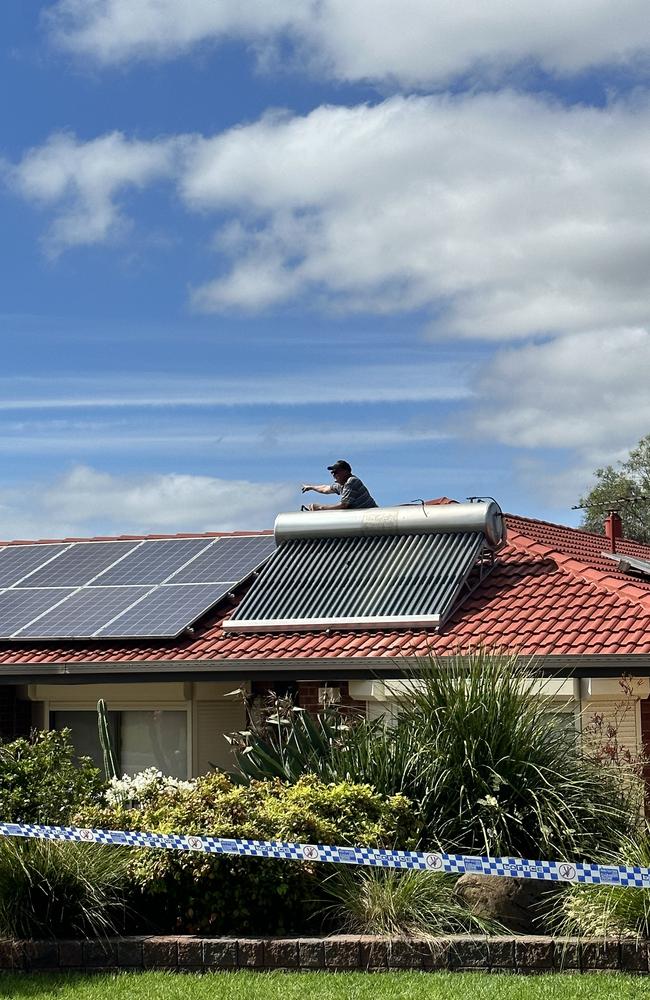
{"x": 209, "y": 713}
{"x": 584, "y": 697}
{"x": 605, "y": 696}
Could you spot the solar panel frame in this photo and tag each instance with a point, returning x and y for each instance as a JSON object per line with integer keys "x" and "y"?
{"x": 92, "y": 607}
{"x": 153, "y": 562}
{"x": 19, "y": 562}
{"x": 100, "y": 608}
{"x": 19, "y": 606}
{"x": 151, "y": 616}
{"x": 229, "y": 560}
{"x": 82, "y": 563}
{"x": 359, "y": 581}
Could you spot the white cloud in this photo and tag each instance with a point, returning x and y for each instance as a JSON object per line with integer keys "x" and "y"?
{"x": 86, "y": 500}
{"x": 587, "y": 392}
{"x": 504, "y": 213}
{"x": 226, "y": 439}
{"x": 84, "y": 181}
{"x": 499, "y": 215}
{"x": 335, "y": 383}
{"x": 115, "y": 30}
{"x": 414, "y": 42}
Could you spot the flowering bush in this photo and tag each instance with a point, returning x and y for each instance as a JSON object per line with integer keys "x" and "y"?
{"x": 194, "y": 892}
{"x": 133, "y": 790}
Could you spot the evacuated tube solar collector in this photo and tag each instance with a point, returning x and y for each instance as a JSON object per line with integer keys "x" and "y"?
{"x": 386, "y": 567}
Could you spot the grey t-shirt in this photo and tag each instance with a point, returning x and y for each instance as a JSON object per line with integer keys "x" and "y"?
{"x": 354, "y": 494}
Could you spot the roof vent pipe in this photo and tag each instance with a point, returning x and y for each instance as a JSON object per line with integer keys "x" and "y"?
{"x": 613, "y": 528}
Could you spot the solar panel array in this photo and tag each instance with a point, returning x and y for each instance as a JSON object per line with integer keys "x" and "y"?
{"x": 120, "y": 589}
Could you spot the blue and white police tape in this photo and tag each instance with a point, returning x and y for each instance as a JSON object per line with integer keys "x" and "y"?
{"x": 457, "y": 864}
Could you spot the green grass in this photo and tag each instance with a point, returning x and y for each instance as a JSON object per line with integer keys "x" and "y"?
{"x": 323, "y": 986}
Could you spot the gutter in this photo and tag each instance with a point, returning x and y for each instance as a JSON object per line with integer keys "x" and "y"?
{"x": 356, "y": 668}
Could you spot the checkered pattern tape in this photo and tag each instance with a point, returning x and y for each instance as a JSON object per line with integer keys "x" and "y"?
{"x": 551, "y": 871}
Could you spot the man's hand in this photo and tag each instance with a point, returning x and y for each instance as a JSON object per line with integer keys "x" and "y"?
{"x": 306, "y": 488}
{"x": 314, "y": 506}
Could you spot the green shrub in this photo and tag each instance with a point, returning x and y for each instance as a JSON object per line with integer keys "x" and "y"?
{"x": 392, "y": 902}
{"x": 54, "y": 889}
{"x": 609, "y": 910}
{"x": 41, "y": 780}
{"x": 198, "y": 892}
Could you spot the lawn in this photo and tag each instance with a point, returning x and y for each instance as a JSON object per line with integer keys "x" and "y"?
{"x": 328, "y": 986}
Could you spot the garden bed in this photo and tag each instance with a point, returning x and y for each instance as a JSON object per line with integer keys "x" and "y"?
{"x": 523, "y": 954}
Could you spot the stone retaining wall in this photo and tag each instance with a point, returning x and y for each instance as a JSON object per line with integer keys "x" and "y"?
{"x": 337, "y": 953}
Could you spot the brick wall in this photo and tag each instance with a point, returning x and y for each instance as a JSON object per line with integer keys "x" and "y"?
{"x": 337, "y": 953}
{"x": 309, "y": 700}
{"x": 305, "y": 693}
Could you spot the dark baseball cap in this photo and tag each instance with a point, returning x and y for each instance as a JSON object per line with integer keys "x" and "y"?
{"x": 341, "y": 464}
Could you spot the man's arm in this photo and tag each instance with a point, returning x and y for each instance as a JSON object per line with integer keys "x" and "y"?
{"x": 326, "y": 488}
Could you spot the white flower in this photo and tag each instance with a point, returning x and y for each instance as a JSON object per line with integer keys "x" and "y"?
{"x": 135, "y": 788}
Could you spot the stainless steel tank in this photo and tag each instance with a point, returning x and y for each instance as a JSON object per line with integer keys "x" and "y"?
{"x": 484, "y": 516}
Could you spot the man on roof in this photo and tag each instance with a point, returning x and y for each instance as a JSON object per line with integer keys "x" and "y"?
{"x": 353, "y": 493}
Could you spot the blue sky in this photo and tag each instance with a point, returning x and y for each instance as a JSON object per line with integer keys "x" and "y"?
{"x": 242, "y": 240}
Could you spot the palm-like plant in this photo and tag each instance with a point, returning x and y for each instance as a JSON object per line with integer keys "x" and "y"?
{"x": 285, "y": 743}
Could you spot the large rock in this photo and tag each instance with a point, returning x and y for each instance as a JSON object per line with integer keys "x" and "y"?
{"x": 517, "y": 903}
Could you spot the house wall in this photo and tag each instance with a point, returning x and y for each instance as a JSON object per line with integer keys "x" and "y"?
{"x": 619, "y": 702}
{"x": 209, "y": 713}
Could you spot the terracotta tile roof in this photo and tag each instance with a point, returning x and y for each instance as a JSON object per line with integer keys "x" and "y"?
{"x": 551, "y": 592}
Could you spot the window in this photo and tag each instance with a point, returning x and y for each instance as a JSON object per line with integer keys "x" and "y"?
{"x": 565, "y": 718}
{"x": 152, "y": 738}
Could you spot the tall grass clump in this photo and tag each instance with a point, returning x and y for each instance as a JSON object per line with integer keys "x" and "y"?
{"x": 609, "y": 910}
{"x": 54, "y": 889}
{"x": 400, "y": 903}
{"x": 493, "y": 771}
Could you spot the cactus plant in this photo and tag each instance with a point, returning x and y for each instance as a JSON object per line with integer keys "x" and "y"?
{"x": 110, "y": 762}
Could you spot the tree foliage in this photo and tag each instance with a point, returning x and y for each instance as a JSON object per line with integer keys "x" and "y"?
{"x": 627, "y": 479}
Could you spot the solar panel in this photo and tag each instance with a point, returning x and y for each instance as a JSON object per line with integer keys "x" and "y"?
{"x": 166, "y": 611}
{"x": 151, "y": 587}
{"x": 17, "y": 561}
{"x": 83, "y": 613}
{"x": 229, "y": 559}
{"x": 153, "y": 561}
{"x": 629, "y": 564}
{"x": 357, "y": 581}
{"x": 80, "y": 564}
{"x": 17, "y": 607}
